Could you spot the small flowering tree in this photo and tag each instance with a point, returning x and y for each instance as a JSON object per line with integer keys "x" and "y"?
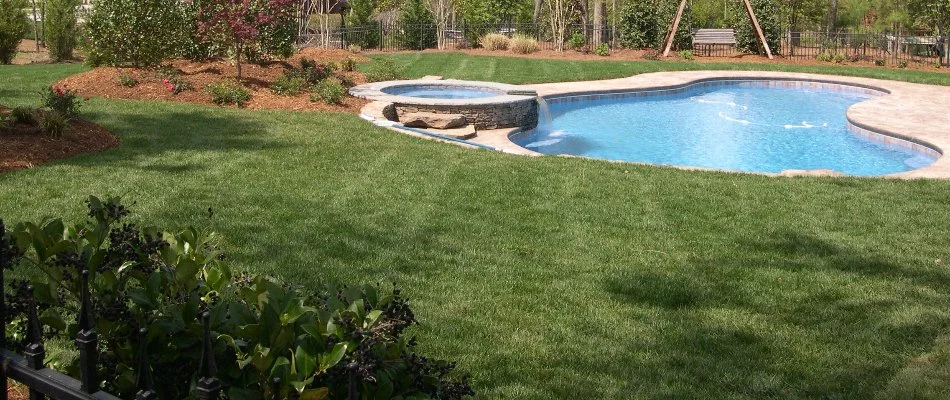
{"x": 239, "y": 22}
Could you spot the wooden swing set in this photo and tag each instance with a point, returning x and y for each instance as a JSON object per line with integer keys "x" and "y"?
{"x": 748, "y": 8}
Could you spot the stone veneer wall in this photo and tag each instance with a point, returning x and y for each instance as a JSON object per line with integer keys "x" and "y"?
{"x": 520, "y": 114}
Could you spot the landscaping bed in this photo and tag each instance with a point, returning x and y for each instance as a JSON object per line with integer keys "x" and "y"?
{"x": 25, "y": 146}
{"x": 153, "y": 84}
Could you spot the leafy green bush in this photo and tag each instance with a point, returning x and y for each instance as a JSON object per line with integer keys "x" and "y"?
{"x": 768, "y": 14}
{"x": 23, "y": 115}
{"x": 330, "y": 91}
{"x": 686, "y": 55}
{"x": 382, "y": 70}
{"x": 523, "y": 44}
{"x": 13, "y": 26}
{"x": 902, "y": 64}
{"x": 602, "y": 50}
{"x": 288, "y": 85}
{"x": 54, "y": 124}
{"x": 824, "y": 57}
{"x": 644, "y": 24}
{"x": 838, "y": 58}
{"x": 143, "y": 277}
{"x": 135, "y": 32}
{"x": 418, "y": 26}
{"x": 62, "y": 100}
{"x": 314, "y": 72}
{"x": 879, "y": 62}
{"x": 361, "y": 18}
{"x": 228, "y": 91}
{"x": 494, "y": 41}
{"x": 576, "y": 41}
{"x": 126, "y": 79}
{"x": 60, "y": 27}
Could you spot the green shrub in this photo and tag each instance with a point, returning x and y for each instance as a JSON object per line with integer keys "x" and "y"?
{"x": 644, "y": 24}
{"x": 902, "y": 64}
{"x": 838, "y": 58}
{"x": 314, "y": 72}
{"x": 165, "y": 282}
{"x": 768, "y": 14}
{"x": 576, "y": 41}
{"x": 60, "y": 28}
{"x": 61, "y": 100}
{"x": 126, "y": 79}
{"x": 494, "y": 41}
{"x": 135, "y": 32}
{"x": 228, "y": 91}
{"x": 177, "y": 84}
{"x": 361, "y": 17}
{"x": 879, "y": 62}
{"x": 523, "y": 44}
{"x": 330, "y": 91}
{"x": 13, "y": 26}
{"x": 288, "y": 85}
{"x": 348, "y": 64}
{"x": 602, "y": 50}
{"x": 418, "y": 26}
{"x": 686, "y": 55}
{"x": 382, "y": 70}
{"x": 824, "y": 57}
{"x": 23, "y": 115}
{"x": 54, "y": 125}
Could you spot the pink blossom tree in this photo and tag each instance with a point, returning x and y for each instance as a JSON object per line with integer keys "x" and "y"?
{"x": 239, "y": 22}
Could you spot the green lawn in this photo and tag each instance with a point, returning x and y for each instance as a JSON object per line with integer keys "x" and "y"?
{"x": 518, "y": 70}
{"x": 547, "y": 278}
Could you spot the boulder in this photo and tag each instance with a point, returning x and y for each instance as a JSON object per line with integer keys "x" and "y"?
{"x": 433, "y": 120}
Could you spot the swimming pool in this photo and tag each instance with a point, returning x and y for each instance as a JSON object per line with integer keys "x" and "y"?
{"x": 441, "y": 92}
{"x": 740, "y": 126}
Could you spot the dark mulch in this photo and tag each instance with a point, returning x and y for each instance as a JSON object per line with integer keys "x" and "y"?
{"x": 25, "y": 146}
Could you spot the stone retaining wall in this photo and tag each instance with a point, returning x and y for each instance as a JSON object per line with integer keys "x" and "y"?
{"x": 520, "y": 114}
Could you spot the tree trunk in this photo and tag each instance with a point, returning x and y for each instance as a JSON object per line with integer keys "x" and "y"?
{"x": 537, "y": 10}
{"x": 598, "y": 22}
{"x": 237, "y": 60}
{"x": 832, "y": 15}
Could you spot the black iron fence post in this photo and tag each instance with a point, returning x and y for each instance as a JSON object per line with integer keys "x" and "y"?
{"x": 209, "y": 387}
{"x": 35, "y": 351}
{"x": 353, "y": 392}
{"x": 143, "y": 380}
{"x": 3, "y": 325}
{"x": 87, "y": 340}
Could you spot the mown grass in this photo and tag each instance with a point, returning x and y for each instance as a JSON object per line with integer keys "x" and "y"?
{"x": 519, "y": 70}
{"x": 547, "y": 277}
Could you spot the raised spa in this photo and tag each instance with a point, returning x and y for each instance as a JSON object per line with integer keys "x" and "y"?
{"x": 441, "y": 92}
{"x": 754, "y": 126}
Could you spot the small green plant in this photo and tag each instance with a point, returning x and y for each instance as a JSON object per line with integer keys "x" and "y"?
{"x": 330, "y": 91}
{"x": 228, "y": 92}
{"x": 382, "y": 70}
{"x": 313, "y": 71}
{"x": 176, "y": 84}
{"x": 54, "y": 125}
{"x": 126, "y": 79}
{"x": 348, "y": 64}
{"x": 346, "y": 81}
{"x": 354, "y": 48}
{"x": 62, "y": 100}
{"x": 838, "y": 58}
{"x": 902, "y": 64}
{"x": 602, "y": 50}
{"x": 523, "y": 44}
{"x": 576, "y": 41}
{"x": 23, "y": 115}
{"x": 824, "y": 57}
{"x": 936, "y": 65}
{"x": 651, "y": 54}
{"x": 686, "y": 55}
{"x": 853, "y": 57}
{"x": 879, "y": 62}
{"x": 288, "y": 85}
{"x": 494, "y": 41}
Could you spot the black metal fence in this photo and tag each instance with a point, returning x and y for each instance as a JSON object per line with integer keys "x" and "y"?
{"x": 880, "y": 47}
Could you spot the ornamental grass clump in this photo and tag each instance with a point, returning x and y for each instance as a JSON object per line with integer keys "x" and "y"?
{"x": 227, "y": 92}
{"x": 494, "y": 41}
{"x": 523, "y": 44}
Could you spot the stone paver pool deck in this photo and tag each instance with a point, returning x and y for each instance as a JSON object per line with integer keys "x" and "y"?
{"x": 909, "y": 112}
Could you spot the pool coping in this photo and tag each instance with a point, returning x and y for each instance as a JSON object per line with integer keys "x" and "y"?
{"x": 908, "y": 112}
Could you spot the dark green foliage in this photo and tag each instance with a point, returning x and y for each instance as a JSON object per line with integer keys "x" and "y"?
{"x": 288, "y": 85}
{"x": 62, "y": 101}
{"x": 330, "y": 91}
{"x": 313, "y": 72}
{"x": 23, "y": 115}
{"x": 60, "y": 28}
{"x": 645, "y": 24}
{"x": 418, "y": 26}
{"x": 135, "y": 32}
{"x": 576, "y": 41}
{"x": 54, "y": 124}
{"x": 602, "y": 50}
{"x": 360, "y": 20}
{"x": 767, "y": 13}
{"x": 13, "y": 26}
{"x": 126, "y": 79}
{"x": 228, "y": 92}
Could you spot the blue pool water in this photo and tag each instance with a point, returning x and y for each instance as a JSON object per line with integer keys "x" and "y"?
{"x": 440, "y": 92}
{"x": 731, "y": 127}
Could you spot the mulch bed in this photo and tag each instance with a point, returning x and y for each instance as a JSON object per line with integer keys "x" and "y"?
{"x": 25, "y": 146}
{"x": 104, "y": 82}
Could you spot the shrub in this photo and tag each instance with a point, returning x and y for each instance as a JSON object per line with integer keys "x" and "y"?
{"x": 228, "y": 92}
{"x": 164, "y": 282}
{"x": 523, "y": 44}
{"x": 418, "y": 25}
{"x": 348, "y": 64}
{"x": 576, "y": 41}
{"x": 354, "y": 48}
{"x": 768, "y": 14}
{"x": 61, "y": 100}
{"x": 382, "y": 70}
{"x": 838, "y": 58}
{"x": 135, "y": 32}
{"x": 879, "y": 62}
{"x": 494, "y": 41}
{"x": 686, "y": 55}
{"x": 644, "y": 24}
{"x": 651, "y": 54}
{"x": 126, "y": 79}
{"x": 361, "y": 17}
{"x": 824, "y": 57}
{"x": 54, "y": 124}
{"x": 60, "y": 27}
{"x": 176, "y": 84}
{"x": 853, "y": 57}
{"x": 330, "y": 91}
{"x": 902, "y": 64}
{"x": 313, "y": 71}
{"x": 251, "y": 28}
{"x": 23, "y": 115}
{"x": 288, "y": 85}
{"x": 602, "y": 50}
{"x": 13, "y": 26}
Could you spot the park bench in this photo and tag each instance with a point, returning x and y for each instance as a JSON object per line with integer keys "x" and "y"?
{"x": 707, "y": 38}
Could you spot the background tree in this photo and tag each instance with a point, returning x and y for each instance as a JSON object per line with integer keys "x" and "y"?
{"x": 13, "y": 26}
{"x": 60, "y": 28}
{"x": 360, "y": 15}
{"x": 134, "y": 32}
{"x": 417, "y": 25}
{"x": 767, "y": 13}
{"x": 240, "y": 23}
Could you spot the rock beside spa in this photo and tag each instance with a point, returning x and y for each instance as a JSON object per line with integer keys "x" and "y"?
{"x": 433, "y": 120}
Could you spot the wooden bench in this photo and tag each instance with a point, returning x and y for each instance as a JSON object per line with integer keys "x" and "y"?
{"x": 707, "y": 38}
